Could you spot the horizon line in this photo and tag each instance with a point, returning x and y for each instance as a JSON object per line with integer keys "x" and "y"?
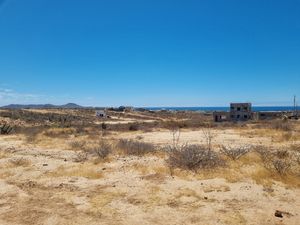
{"x": 114, "y": 106}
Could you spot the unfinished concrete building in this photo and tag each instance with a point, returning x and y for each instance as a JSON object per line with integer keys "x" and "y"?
{"x": 221, "y": 116}
{"x": 240, "y": 111}
{"x": 243, "y": 112}
{"x": 262, "y": 115}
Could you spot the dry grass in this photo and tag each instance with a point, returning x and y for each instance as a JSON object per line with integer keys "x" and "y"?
{"x": 281, "y": 125}
{"x": 6, "y": 174}
{"x": 19, "y": 162}
{"x": 140, "y": 167}
{"x": 253, "y": 166}
{"x": 149, "y": 199}
{"x": 282, "y": 161}
{"x": 59, "y": 132}
{"x": 235, "y": 218}
{"x": 250, "y": 166}
{"x": 217, "y": 188}
{"x": 87, "y": 170}
{"x": 100, "y": 201}
{"x": 187, "y": 192}
{"x": 162, "y": 170}
{"x": 4, "y": 155}
{"x": 77, "y": 144}
{"x": 265, "y": 177}
{"x": 132, "y": 147}
{"x": 274, "y": 133}
{"x": 81, "y": 156}
{"x": 31, "y": 134}
{"x": 295, "y": 147}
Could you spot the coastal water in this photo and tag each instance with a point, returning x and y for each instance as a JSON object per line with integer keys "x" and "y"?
{"x": 209, "y": 109}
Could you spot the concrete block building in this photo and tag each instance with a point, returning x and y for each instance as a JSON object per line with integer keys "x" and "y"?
{"x": 221, "y": 116}
{"x": 238, "y": 112}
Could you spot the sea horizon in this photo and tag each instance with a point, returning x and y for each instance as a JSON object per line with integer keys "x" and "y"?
{"x": 220, "y": 108}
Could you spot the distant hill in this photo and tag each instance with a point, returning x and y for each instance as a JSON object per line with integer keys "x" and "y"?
{"x": 43, "y": 106}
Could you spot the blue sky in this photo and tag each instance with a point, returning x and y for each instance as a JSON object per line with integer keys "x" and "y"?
{"x": 149, "y": 52}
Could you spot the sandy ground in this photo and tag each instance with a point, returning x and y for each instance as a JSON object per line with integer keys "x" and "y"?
{"x": 48, "y": 186}
{"x": 226, "y": 137}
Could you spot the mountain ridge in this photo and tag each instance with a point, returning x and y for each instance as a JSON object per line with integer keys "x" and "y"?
{"x": 43, "y": 106}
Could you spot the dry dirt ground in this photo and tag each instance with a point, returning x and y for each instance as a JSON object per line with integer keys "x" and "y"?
{"x": 45, "y": 184}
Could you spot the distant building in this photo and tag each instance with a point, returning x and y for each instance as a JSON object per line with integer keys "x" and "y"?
{"x": 238, "y": 112}
{"x": 121, "y": 109}
{"x": 268, "y": 115}
{"x": 129, "y": 109}
{"x": 221, "y": 116}
{"x": 101, "y": 114}
{"x": 243, "y": 112}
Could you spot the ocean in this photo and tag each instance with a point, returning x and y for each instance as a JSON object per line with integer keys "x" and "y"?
{"x": 210, "y": 109}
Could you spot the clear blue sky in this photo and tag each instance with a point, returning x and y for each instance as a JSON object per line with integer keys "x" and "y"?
{"x": 149, "y": 52}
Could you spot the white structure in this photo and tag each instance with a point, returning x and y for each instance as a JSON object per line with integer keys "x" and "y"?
{"x": 101, "y": 114}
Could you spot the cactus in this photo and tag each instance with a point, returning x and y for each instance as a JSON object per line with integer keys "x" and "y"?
{"x": 5, "y": 129}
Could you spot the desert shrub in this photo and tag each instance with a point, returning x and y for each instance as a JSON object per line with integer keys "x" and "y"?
{"x": 281, "y": 166}
{"x": 193, "y": 157}
{"x": 80, "y": 129}
{"x": 124, "y": 127}
{"x": 259, "y": 125}
{"x": 281, "y": 125}
{"x": 131, "y": 147}
{"x": 104, "y": 126}
{"x": 103, "y": 150}
{"x": 209, "y": 135}
{"x": 279, "y": 161}
{"x": 5, "y": 128}
{"x": 59, "y": 132}
{"x": 264, "y": 153}
{"x": 297, "y": 158}
{"x": 295, "y": 147}
{"x": 176, "y": 133}
{"x": 81, "y": 156}
{"x": 65, "y": 118}
{"x": 282, "y": 153}
{"x": 287, "y": 136}
{"x": 235, "y": 152}
{"x": 133, "y": 127}
{"x": 139, "y": 137}
{"x": 30, "y": 133}
{"x": 175, "y": 124}
{"x": 77, "y": 145}
{"x": 20, "y": 162}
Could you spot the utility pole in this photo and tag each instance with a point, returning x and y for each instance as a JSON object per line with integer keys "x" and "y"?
{"x": 294, "y": 105}
{"x": 296, "y": 109}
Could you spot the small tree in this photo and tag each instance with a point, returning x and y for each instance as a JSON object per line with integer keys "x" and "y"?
{"x": 175, "y": 136}
{"x": 209, "y": 136}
